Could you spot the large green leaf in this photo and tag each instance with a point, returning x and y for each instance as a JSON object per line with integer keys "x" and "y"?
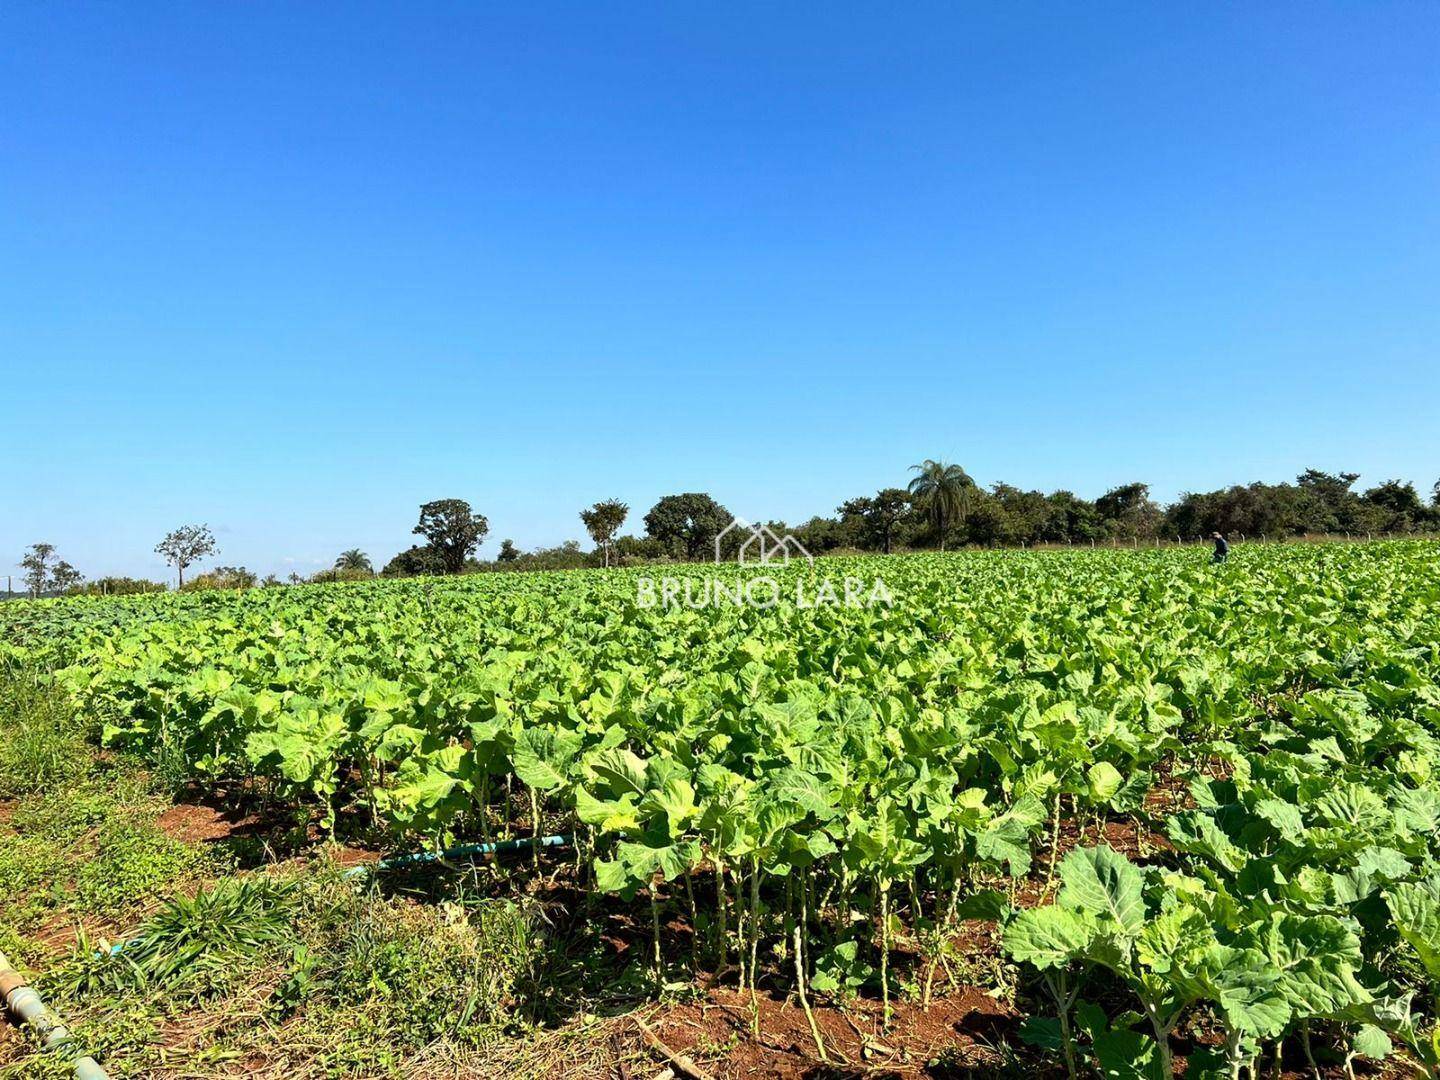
{"x": 1106, "y": 884}
{"x": 542, "y": 756}
{"x": 1415, "y": 907}
{"x": 1049, "y": 937}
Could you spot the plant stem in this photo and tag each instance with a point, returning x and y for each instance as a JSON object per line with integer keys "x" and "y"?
{"x": 1162, "y": 1037}
{"x": 942, "y": 935}
{"x": 485, "y": 807}
{"x": 754, "y": 921}
{"x": 754, "y": 942}
{"x": 740, "y": 939}
{"x": 535, "y": 829}
{"x": 885, "y": 952}
{"x": 1309, "y": 1050}
{"x": 1054, "y": 843}
{"x": 694, "y": 923}
{"x": 721, "y": 903}
{"x": 1232, "y": 1052}
{"x": 1059, "y": 990}
{"x": 800, "y": 978}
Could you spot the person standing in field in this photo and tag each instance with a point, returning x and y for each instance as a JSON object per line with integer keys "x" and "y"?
{"x": 1222, "y": 548}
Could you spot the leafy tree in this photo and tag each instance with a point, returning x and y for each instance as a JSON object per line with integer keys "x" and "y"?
{"x": 1251, "y": 510}
{"x": 65, "y": 577}
{"x": 1400, "y": 501}
{"x": 686, "y": 525}
{"x": 354, "y": 559}
{"x": 453, "y": 530}
{"x": 1005, "y": 515}
{"x": 1128, "y": 510}
{"x": 816, "y": 535}
{"x": 1074, "y": 518}
{"x": 567, "y": 556}
{"x": 1332, "y": 487}
{"x": 944, "y": 490}
{"x": 879, "y": 516}
{"x": 185, "y": 546}
{"x": 603, "y": 521}
{"x": 36, "y": 564}
{"x": 414, "y": 562}
{"x": 1330, "y": 505}
{"x": 508, "y": 552}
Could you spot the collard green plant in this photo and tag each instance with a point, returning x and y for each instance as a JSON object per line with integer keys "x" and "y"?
{"x": 864, "y": 774}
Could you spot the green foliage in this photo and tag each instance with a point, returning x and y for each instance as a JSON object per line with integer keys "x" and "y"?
{"x": 452, "y": 531}
{"x": 686, "y": 525}
{"x": 755, "y": 761}
{"x": 42, "y": 739}
{"x": 415, "y": 561}
{"x": 88, "y": 850}
{"x": 192, "y": 937}
{"x": 353, "y": 560}
{"x": 944, "y": 491}
{"x": 223, "y": 577}
{"x": 186, "y": 545}
{"x": 117, "y": 586}
{"x": 603, "y": 521}
{"x": 361, "y": 983}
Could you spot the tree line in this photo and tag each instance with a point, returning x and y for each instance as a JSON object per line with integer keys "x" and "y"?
{"x": 940, "y": 507}
{"x": 943, "y": 507}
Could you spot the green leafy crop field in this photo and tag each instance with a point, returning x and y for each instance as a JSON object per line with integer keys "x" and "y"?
{"x": 829, "y": 795}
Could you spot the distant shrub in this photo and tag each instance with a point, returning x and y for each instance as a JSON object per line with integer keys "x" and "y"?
{"x": 638, "y": 549}
{"x": 413, "y": 562}
{"x": 353, "y": 574}
{"x": 223, "y": 577}
{"x": 116, "y": 586}
{"x": 567, "y": 556}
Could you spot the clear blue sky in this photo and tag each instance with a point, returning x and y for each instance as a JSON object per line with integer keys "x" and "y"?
{"x": 294, "y": 269}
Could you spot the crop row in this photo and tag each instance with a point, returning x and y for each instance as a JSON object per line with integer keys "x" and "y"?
{"x": 807, "y": 784}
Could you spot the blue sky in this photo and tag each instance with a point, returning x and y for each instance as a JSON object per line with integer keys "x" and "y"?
{"x": 294, "y": 269}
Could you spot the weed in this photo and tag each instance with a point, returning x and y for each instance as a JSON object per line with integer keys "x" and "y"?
{"x": 442, "y": 972}
{"x": 133, "y": 861}
{"x": 42, "y": 739}
{"x": 190, "y": 938}
{"x": 90, "y": 851}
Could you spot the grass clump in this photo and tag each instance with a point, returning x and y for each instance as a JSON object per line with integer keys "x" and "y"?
{"x": 439, "y": 971}
{"x": 304, "y": 972}
{"x": 43, "y": 744}
{"x": 382, "y": 980}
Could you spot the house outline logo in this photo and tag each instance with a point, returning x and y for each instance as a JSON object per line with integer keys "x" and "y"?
{"x": 762, "y": 547}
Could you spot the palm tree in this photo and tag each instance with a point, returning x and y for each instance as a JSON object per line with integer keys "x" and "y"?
{"x": 354, "y": 559}
{"x": 945, "y": 490}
